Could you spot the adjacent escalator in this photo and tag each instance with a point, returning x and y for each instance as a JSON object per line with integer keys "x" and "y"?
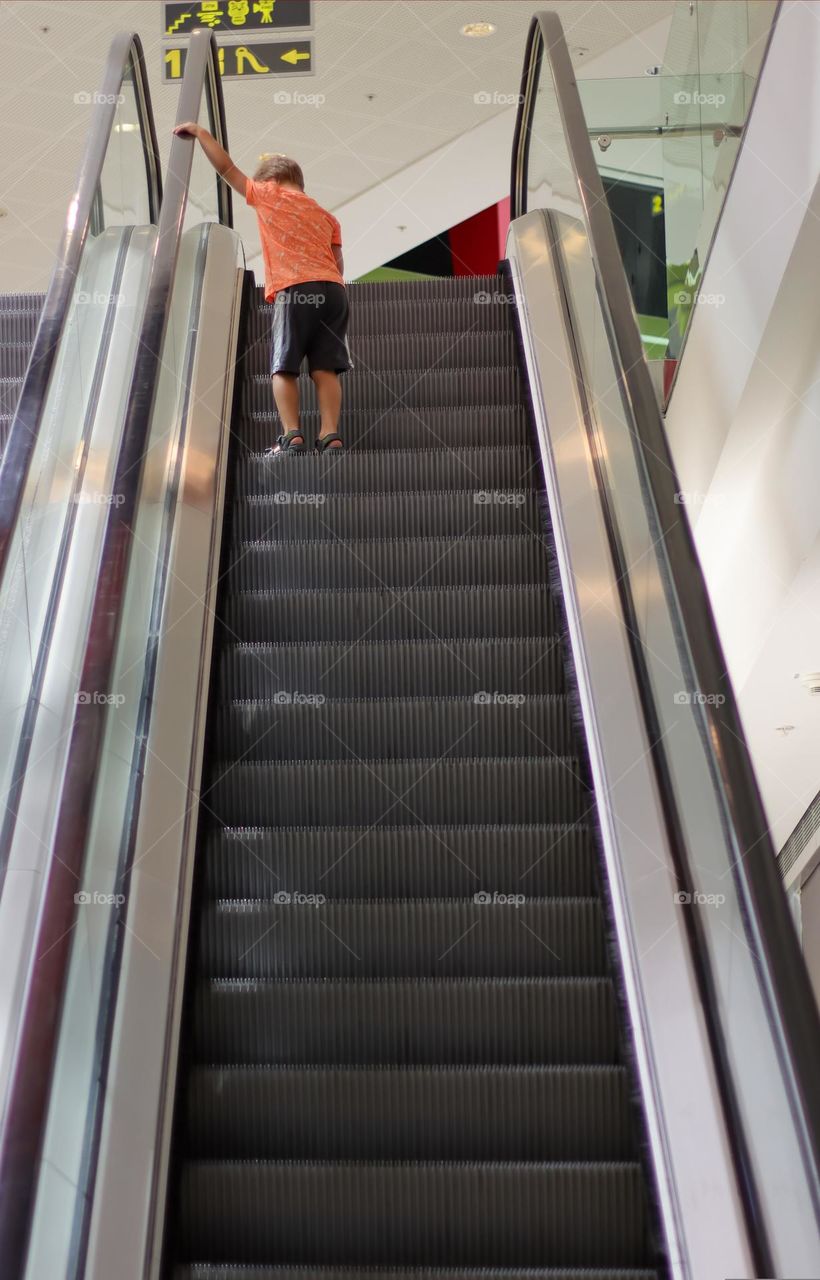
{"x": 19, "y": 314}
{"x": 403, "y": 1041}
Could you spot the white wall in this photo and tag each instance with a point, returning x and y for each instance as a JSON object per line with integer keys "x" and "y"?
{"x": 744, "y": 420}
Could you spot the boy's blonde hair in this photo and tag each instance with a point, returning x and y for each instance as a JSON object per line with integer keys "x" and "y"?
{"x": 275, "y": 167}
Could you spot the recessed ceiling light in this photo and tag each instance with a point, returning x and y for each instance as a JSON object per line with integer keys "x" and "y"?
{"x": 478, "y": 29}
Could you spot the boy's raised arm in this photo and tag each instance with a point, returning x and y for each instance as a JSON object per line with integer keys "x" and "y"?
{"x": 217, "y": 155}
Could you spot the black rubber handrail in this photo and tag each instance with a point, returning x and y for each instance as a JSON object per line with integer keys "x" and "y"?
{"x": 787, "y": 995}
{"x": 125, "y": 52}
{"x": 35, "y": 1050}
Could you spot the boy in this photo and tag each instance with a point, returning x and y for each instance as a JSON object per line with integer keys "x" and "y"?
{"x": 302, "y": 251}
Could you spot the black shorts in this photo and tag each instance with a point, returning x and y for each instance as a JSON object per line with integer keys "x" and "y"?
{"x": 310, "y": 320}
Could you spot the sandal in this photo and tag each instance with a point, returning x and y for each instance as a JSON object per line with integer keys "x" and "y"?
{"x": 285, "y": 443}
{"x": 322, "y": 442}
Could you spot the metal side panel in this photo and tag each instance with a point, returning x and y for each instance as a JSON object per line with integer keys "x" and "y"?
{"x": 699, "y": 1203}
{"x": 126, "y": 1223}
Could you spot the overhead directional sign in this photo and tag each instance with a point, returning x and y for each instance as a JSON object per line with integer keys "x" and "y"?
{"x": 247, "y": 61}
{"x": 236, "y": 16}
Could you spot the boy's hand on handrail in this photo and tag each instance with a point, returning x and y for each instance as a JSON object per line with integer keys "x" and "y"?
{"x": 217, "y": 155}
{"x": 188, "y": 130}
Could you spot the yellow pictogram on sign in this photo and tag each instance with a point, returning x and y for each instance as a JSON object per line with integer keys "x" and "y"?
{"x": 247, "y": 61}
{"x": 178, "y": 23}
{"x": 244, "y": 55}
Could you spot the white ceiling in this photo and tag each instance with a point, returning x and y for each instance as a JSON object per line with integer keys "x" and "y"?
{"x": 410, "y": 54}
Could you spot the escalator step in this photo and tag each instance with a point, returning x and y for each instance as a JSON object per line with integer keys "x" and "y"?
{"x": 399, "y": 668}
{"x": 386, "y": 792}
{"x": 398, "y": 728}
{"x": 393, "y": 515}
{"x": 398, "y": 862}
{"x": 416, "y": 351}
{"x": 18, "y": 325}
{"x": 492, "y": 469}
{"x": 551, "y": 937}
{"x": 402, "y": 1214}
{"x": 526, "y": 1021}
{"x": 22, "y": 302}
{"x": 14, "y": 358}
{"x": 396, "y": 562}
{"x": 446, "y": 288}
{"x": 373, "y": 613}
{"x": 219, "y": 1271}
{"x": 473, "y": 427}
{"x": 410, "y": 1113}
{"x": 405, "y": 388}
{"x": 405, "y": 316}
{"x": 10, "y": 389}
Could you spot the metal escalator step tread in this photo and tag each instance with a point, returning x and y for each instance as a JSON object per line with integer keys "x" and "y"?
{"x": 22, "y": 302}
{"x": 293, "y": 728}
{"x": 472, "y": 427}
{"x": 549, "y": 937}
{"x": 575, "y": 1214}
{"x": 398, "y": 862}
{"x": 18, "y": 325}
{"x": 396, "y": 562}
{"x": 401, "y": 388}
{"x": 419, "y": 351}
{"x": 449, "y": 1020}
{"x": 14, "y": 357}
{"x": 479, "y": 311}
{"x": 386, "y": 792}
{"x": 408, "y": 1113}
{"x": 326, "y": 517}
{"x": 492, "y": 469}
{"x": 225, "y": 1271}
{"x": 375, "y": 613}
{"x": 397, "y": 668}
{"x": 10, "y": 389}
{"x": 390, "y": 291}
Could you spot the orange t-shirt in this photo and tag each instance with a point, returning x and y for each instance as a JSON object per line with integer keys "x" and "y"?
{"x": 296, "y": 235}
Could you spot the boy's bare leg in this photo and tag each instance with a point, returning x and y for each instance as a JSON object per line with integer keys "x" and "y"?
{"x": 286, "y": 395}
{"x": 329, "y": 394}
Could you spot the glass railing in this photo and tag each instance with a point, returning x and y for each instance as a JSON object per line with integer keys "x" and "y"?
{"x": 50, "y": 451}
{"x": 666, "y": 146}
{"x": 762, "y": 1021}
{"x": 83, "y": 568}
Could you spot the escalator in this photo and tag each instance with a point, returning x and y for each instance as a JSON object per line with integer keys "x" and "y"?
{"x": 19, "y": 313}
{"x": 391, "y": 890}
{"x": 404, "y": 1047}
